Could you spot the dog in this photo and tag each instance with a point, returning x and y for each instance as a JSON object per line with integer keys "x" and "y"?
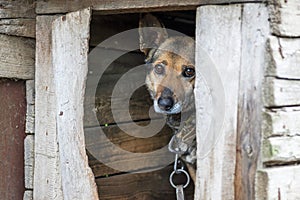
{"x": 170, "y": 80}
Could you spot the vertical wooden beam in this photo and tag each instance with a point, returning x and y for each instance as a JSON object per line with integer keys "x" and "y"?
{"x": 47, "y": 183}
{"x": 255, "y": 31}
{"x": 70, "y": 39}
{"x": 218, "y": 51}
{"x": 12, "y": 134}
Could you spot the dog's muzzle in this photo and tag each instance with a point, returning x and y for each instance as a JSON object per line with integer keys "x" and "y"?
{"x": 165, "y": 103}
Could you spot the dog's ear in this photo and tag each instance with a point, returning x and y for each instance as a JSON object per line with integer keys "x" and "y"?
{"x": 152, "y": 33}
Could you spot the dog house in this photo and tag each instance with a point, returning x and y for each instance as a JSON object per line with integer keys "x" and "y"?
{"x": 247, "y": 98}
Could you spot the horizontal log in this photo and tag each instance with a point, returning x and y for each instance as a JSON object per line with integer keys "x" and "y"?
{"x": 285, "y": 17}
{"x": 284, "y": 57}
{"x": 18, "y": 27}
{"x": 281, "y": 122}
{"x": 115, "y": 6}
{"x": 281, "y": 150}
{"x": 278, "y": 183}
{"x": 17, "y": 9}
{"x": 17, "y": 57}
{"x": 279, "y": 92}
{"x": 152, "y": 185}
{"x": 124, "y": 141}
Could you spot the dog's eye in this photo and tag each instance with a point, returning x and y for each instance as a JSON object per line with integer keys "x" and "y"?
{"x": 188, "y": 72}
{"x": 159, "y": 69}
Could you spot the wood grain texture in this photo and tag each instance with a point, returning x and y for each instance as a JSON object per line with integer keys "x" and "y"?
{"x": 29, "y": 161}
{"x": 17, "y": 57}
{"x": 278, "y": 183}
{"x": 129, "y": 6}
{"x": 47, "y": 180}
{"x": 12, "y": 134}
{"x": 30, "y": 113}
{"x": 221, "y": 25}
{"x": 17, "y": 9}
{"x": 281, "y": 150}
{"x": 151, "y": 186}
{"x": 18, "y": 27}
{"x": 285, "y": 17}
{"x": 281, "y": 92}
{"x": 255, "y": 31}
{"x": 284, "y": 57}
{"x": 281, "y": 122}
{"x": 122, "y": 140}
{"x": 70, "y": 35}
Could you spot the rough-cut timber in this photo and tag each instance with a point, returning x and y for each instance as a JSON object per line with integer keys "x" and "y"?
{"x": 285, "y": 17}
{"x": 12, "y": 134}
{"x": 70, "y": 44}
{"x": 221, "y": 26}
{"x": 16, "y": 57}
{"x": 281, "y": 122}
{"x": 255, "y": 30}
{"x": 30, "y": 99}
{"x": 28, "y": 195}
{"x": 281, "y": 92}
{"x": 17, "y": 9}
{"x": 18, "y": 27}
{"x": 284, "y": 57}
{"x": 281, "y": 150}
{"x": 116, "y": 6}
{"x": 278, "y": 183}
{"x": 47, "y": 183}
{"x": 29, "y": 161}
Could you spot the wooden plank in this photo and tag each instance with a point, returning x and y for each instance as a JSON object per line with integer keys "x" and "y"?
{"x": 125, "y": 141}
{"x": 278, "y": 183}
{"x": 281, "y": 122}
{"x": 255, "y": 30}
{"x": 281, "y": 150}
{"x": 17, "y": 9}
{"x": 28, "y": 195}
{"x": 47, "y": 183}
{"x": 30, "y": 99}
{"x": 70, "y": 35}
{"x": 152, "y": 185}
{"x": 216, "y": 149}
{"x": 284, "y": 57}
{"x": 12, "y": 126}
{"x": 18, "y": 27}
{"x": 285, "y": 17}
{"x": 115, "y": 6}
{"x": 29, "y": 161}
{"x": 17, "y": 57}
{"x": 280, "y": 92}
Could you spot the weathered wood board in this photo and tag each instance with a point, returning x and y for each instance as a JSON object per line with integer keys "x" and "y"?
{"x": 126, "y": 142}
{"x": 18, "y": 27}
{"x": 17, "y": 9}
{"x": 281, "y": 150}
{"x": 115, "y": 6}
{"x": 281, "y": 122}
{"x": 221, "y": 25}
{"x": 255, "y": 31}
{"x": 284, "y": 57}
{"x": 285, "y": 17}
{"x": 70, "y": 64}
{"x": 30, "y": 99}
{"x": 281, "y": 92}
{"x": 278, "y": 183}
{"x": 12, "y": 134}
{"x": 17, "y": 57}
{"x": 29, "y": 161}
{"x": 47, "y": 182}
{"x": 151, "y": 185}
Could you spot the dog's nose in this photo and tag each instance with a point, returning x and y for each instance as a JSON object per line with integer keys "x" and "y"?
{"x": 165, "y": 103}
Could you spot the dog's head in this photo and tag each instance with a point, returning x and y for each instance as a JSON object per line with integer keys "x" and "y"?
{"x": 171, "y": 67}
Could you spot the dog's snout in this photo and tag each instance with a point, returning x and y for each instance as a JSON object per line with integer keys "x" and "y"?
{"x": 165, "y": 103}
{"x": 167, "y": 92}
